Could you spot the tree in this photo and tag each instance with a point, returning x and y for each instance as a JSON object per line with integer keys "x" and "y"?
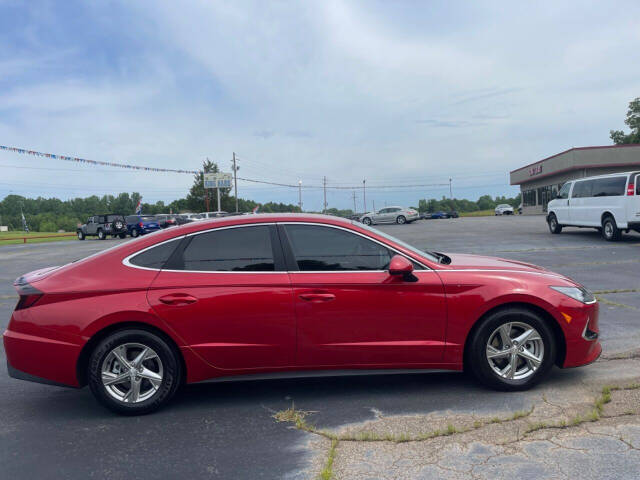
{"x": 633, "y": 122}
{"x": 196, "y": 201}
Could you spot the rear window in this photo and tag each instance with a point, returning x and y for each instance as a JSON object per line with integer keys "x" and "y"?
{"x": 132, "y": 219}
{"x": 155, "y": 257}
{"x": 609, "y": 187}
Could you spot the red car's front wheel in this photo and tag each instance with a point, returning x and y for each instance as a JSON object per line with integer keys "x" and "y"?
{"x": 512, "y": 349}
{"x": 133, "y": 372}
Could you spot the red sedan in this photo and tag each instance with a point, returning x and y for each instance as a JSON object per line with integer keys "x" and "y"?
{"x": 282, "y": 295}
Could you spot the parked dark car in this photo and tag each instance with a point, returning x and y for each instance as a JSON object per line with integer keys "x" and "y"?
{"x": 167, "y": 220}
{"x": 141, "y": 224}
{"x": 453, "y": 214}
{"x": 440, "y": 214}
{"x": 103, "y": 225}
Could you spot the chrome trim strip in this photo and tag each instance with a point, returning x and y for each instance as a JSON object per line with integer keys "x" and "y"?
{"x": 126, "y": 260}
{"x": 363, "y": 236}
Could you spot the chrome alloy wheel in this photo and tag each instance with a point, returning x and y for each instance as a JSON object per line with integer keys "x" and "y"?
{"x": 132, "y": 373}
{"x": 515, "y": 350}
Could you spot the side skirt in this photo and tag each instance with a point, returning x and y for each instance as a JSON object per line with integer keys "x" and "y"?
{"x": 321, "y": 373}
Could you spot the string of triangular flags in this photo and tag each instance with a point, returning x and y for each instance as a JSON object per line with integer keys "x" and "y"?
{"x": 92, "y": 162}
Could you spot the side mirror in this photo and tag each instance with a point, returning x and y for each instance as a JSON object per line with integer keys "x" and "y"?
{"x": 399, "y": 265}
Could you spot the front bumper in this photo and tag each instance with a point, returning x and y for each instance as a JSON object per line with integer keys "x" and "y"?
{"x": 583, "y": 346}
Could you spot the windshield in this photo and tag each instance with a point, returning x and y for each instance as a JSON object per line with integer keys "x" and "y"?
{"x": 405, "y": 245}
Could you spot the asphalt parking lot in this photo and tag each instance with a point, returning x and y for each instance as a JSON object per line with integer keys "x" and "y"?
{"x": 228, "y": 431}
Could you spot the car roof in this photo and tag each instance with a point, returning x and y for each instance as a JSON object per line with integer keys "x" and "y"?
{"x": 608, "y": 175}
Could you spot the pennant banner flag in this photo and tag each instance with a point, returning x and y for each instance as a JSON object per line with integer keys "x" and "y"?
{"x": 92, "y": 162}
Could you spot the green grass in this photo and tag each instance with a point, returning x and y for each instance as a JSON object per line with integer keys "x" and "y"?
{"x": 479, "y": 213}
{"x": 48, "y": 237}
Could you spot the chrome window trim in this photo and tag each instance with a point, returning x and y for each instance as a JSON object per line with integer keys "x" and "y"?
{"x": 126, "y": 260}
{"x": 356, "y": 233}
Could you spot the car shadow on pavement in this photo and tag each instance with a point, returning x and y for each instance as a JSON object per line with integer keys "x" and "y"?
{"x": 334, "y": 400}
{"x": 339, "y": 400}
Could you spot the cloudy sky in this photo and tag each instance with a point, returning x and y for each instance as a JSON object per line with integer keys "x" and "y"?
{"x": 399, "y": 93}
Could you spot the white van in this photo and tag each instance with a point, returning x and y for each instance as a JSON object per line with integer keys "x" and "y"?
{"x": 610, "y": 203}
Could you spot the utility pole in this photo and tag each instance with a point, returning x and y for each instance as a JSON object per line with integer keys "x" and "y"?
{"x": 374, "y": 205}
{"x": 206, "y": 193}
{"x": 324, "y": 188}
{"x": 354, "y": 203}
{"x": 364, "y": 195}
{"x": 300, "y": 195}
{"x": 235, "y": 181}
{"x": 218, "y": 191}
{"x": 450, "y": 190}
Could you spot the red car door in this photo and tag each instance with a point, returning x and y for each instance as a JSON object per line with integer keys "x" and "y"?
{"x": 226, "y": 294}
{"x": 351, "y": 312}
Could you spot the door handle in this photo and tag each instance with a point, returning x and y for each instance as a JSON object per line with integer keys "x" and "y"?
{"x": 317, "y": 297}
{"x": 178, "y": 299}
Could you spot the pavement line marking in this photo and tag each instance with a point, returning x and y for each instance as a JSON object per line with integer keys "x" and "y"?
{"x": 569, "y": 247}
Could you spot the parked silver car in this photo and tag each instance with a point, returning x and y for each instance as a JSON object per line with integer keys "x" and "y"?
{"x": 504, "y": 209}
{"x": 399, "y": 215}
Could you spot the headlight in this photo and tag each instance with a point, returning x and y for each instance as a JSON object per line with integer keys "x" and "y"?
{"x": 580, "y": 294}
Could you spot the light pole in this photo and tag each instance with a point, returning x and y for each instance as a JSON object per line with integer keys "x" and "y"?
{"x": 300, "y": 195}
{"x": 364, "y": 195}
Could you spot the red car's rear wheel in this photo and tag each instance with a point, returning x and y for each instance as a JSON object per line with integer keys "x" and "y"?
{"x": 133, "y": 372}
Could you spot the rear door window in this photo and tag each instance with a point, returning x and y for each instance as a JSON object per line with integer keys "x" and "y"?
{"x": 609, "y": 187}
{"x": 319, "y": 248}
{"x": 242, "y": 249}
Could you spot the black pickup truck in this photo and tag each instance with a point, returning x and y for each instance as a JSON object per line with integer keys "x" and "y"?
{"x": 102, "y": 226}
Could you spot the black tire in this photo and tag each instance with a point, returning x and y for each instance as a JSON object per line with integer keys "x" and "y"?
{"x": 122, "y": 235}
{"x": 101, "y": 234}
{"x": 554, "y": 226}
{"x": 610, "y": 230}
{"x": 81, "y": 235}
{"x": 476, "y": 357}
{"x": 366, "y": 221}
{"x": 401, "y": 220}
{"x": 171, "y": 365}
{"x": 134, "y": 233}
{"x": 118, "y": 225}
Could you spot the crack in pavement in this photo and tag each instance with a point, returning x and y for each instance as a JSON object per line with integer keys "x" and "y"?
{"x": 481, "y": 447}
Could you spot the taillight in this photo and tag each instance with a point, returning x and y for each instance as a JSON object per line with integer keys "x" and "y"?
{"x": 630, "y": 188}
{"x": 27, "y": 301}
{"x": 141, "y": 225}
{"x": 29, "y": 295}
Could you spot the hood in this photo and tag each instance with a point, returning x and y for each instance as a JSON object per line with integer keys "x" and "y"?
{"x": 465, "y": 261}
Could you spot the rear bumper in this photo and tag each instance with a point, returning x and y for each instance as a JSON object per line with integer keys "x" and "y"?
{"x": 20, "y": 375}
{"x": 37, "y": 357}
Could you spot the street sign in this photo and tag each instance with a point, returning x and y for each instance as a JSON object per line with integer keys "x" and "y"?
{"x": 217, "y": 180}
